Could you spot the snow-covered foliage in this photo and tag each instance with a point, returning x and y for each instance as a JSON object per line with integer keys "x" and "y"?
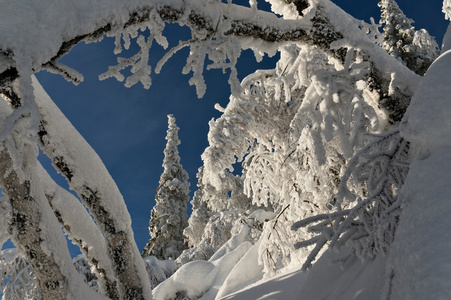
{"x": 17, "y": 277}
{"x": 416, "y": 48}
{"x": 169, "y": 215}
{"x": 295, "y": 127}
{"x": 368, "y": 223}
{"x": 200, "y": 214}
{"x": 218, "y": 213}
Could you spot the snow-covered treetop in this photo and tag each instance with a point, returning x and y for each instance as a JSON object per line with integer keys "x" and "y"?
{"x": 415, "y": 48}
{"x": 447, "y": 9}
{"x": 171, "y": 152}
{"x": 169, "y": 216}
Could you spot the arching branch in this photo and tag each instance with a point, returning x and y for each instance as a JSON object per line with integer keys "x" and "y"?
{"x": 321, "y": 29}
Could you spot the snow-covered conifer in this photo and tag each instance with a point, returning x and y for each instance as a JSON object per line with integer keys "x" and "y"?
{"x": 169, "y": 215}
{"x": 200, "y": 214}
{"x": 217, "y": 213}
{"x": 417, "y": 49}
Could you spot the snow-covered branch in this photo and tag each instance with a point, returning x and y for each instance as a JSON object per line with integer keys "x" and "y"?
{"x": 88, "y": 177}
{"x": 322, "y": 24}
{"x": 368, "y": 223}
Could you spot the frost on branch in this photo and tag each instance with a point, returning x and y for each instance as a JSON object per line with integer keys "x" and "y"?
{"x": 67, "y": 72}
{"x": 294, "y": 128}
{"x": 223, "y": 52}
{"x": 17, "y": 277}
{"x": 372, "y": 31}
{"x": 367, "y": 206}
{"x": 139, "y": 62}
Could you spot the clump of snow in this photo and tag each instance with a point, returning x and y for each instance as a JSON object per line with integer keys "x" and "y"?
{"x": 194, "y": 279}
{"x": 200, "y": 277}
{"x": 247, "y": 271}
{"x": 205, "y": 278}
{"x": 427, "y": 121}
{"x": 261, "y": 215}
{"x": 447, "y": 9}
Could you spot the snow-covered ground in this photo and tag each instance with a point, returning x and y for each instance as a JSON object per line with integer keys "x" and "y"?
{"x": 326, "y": 280}
{"x": 235, "y": 275}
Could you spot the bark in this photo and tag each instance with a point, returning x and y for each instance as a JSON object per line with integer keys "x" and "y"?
{"x": 100, "y": 195}
{"x": 27, "y": 232}
{"x": 63, "y": 203}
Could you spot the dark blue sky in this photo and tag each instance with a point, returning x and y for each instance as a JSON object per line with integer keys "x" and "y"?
{"x": 127, "y": 126}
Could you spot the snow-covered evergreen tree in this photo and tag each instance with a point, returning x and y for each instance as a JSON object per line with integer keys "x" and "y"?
{"x": 417, "y": 49}
{"x": 169, "y": 215}
{"x": 200, "y": 215}
{"x": 216, "y": 216}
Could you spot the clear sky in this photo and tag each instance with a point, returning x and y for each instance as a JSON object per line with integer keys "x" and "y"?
{"x": 127, "y": 126}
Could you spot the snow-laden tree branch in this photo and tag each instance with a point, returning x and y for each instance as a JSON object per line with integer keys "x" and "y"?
{"x": 88, "y": 177}
{"x": 82, "y": 230}
{"x": 322, "y": 24}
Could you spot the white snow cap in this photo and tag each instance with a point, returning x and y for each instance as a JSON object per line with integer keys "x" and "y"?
{"x": 447, "y": 9}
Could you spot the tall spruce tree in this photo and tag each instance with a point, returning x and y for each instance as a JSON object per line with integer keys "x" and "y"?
{"x": 169, "y": 216}
{"x": 415, "y": 48}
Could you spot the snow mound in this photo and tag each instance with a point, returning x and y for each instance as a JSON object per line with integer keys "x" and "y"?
{"x": 205, "y": 279}
{"x": 194, "y": 278}
{"x": 427, "y": 122}
{"x": 200, "y": 277}
{"x": 420, "y": 255}
{"x": 350, "y": 280}
{"x": 247, "y": 271}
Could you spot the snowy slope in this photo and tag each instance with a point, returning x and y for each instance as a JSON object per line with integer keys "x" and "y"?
{"x": 420, "y": 261}
{"x": 326, "y": 280}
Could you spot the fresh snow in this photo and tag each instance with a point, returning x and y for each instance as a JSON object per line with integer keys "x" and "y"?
{"x": 419, "y": 262}
{"x": 350, "y": 280}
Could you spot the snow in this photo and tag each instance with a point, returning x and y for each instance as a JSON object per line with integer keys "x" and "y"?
{"x": 206, "y": 279}
{"x": 247, "y": 271}
{"x": 420, "y": 255}
{"x": 419, "y": 262}
{"x": 427, "y": 122}
{"x": 349, "y": 280}
{"x": 200, "y": 278}
{"x": 421, "y": 274}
